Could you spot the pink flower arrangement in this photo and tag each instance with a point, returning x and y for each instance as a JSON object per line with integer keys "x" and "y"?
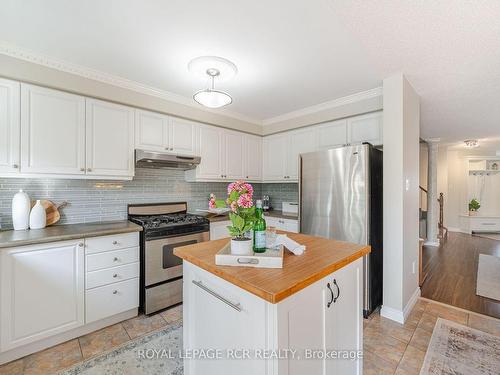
{"x": 240, "y": 200}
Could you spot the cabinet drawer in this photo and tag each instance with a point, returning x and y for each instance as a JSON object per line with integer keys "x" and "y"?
{"x": 111, "y": 275}
{"x": 111, "y": 259}
{"x": 485, "y": 225}
{"x": 113, "y": 242}
{"x": 111, "y": 299}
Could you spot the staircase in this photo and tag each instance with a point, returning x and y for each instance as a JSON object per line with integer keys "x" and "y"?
{"x": 443, "y": 231}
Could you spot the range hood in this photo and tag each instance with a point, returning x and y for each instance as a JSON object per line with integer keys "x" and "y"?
{"x": 151, "y": 159}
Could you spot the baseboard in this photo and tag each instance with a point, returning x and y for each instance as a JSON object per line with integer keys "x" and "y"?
{"x": 36, "y": 346}
{"x": 432, "y": 243}
{"x": 400, "y": 315}
{"x": 458, "y": 230}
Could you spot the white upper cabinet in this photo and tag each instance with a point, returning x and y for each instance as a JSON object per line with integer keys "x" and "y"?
{"x": 209, "y": 146}
{"x": 299, "y": 142}
{"x": 331, "y": 134}
{"x": 41, "y": 291}
{"x": 182, "y": 136}
{"x": 151, "y": 131}
{"x": 274, "y": 157}
{"x": 365, "y": 128}
{"x": 110, "y": 139}
{"x": 253, "y": 157}
{"x": 52, "y": 131}
{"x": 10, "y": 126}
{"x": 233, "y": 155}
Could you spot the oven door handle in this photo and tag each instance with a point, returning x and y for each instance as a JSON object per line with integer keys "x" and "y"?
{"x": 237, "y": 306}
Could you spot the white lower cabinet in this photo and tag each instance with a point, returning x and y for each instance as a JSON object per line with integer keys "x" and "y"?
{"x": 289, "y": 225}
{"x": 41, "y": 291}
{"x": 219, "y": 229}
{"x": 325, "y": 316}
{"x": 49, "y": 292}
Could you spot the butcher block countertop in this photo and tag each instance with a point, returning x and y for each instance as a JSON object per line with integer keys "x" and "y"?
{"x": 321, "y": 258}
{"x": 10, "y": 238}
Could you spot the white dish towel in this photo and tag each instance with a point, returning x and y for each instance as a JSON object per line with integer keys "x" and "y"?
{"x": 291, "y": 245}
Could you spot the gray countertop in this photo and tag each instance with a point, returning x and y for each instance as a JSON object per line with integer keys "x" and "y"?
{"x": 273, "y": 213}
{"x": 11, "y": 238}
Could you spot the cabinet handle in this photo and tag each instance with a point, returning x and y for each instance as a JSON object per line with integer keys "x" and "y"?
{"x": 115, "y": 259}
{"x": 331, "y": 292}
{"x": 338, "y": 290}
{"x": 115, "y": 292}
{"x": 115, "y": 275}
{"x": 488, "y": 224}
{"x": 171, "y": 149}
{"x": 199, "y": 284}
{"x": 80, "y": 244}
{"x": 82, "y": 169}
{"x": 247, "y": 177}
{"x": 15, "y": 166}
{"x": 115, "y": 242}
{"x": 89, "y": 169}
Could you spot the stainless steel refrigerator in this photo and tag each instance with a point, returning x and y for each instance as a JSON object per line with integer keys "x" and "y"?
{"x": 340, "y": 193}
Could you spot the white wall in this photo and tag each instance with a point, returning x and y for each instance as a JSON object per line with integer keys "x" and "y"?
{"x": 401, "y": 181}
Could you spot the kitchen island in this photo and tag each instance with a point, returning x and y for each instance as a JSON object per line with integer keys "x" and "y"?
{"x": 274, "y": 321}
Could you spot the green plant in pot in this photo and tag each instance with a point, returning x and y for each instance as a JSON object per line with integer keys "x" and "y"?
{"x": 242, "y": 215}
{"x": 474, "y": 207}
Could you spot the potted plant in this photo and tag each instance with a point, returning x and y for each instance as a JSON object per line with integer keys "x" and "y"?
{"x": 473, "y": 207}
{"x": 242, "y": 215}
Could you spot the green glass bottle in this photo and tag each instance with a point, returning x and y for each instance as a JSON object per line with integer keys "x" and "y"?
{"x": 259, "y": 229}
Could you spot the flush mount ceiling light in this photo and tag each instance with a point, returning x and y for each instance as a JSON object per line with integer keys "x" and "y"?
{"x": 213, "y": 67}
{"x": 471, "y": 143}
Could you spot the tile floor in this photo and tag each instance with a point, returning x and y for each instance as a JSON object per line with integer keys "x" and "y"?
{"x": 393, "y": 348}
{"x": 390, "y": 348}
{"x": 52, "y": 360}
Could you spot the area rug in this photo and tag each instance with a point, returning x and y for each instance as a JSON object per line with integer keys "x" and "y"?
{"x": 491, "y": 236}
{"x": 153, "y": 354}
{"x": 460, "y": 350}
{"x": 488, "y": 277}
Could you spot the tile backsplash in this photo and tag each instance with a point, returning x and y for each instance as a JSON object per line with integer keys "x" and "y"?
{"x": 96, "y": 200}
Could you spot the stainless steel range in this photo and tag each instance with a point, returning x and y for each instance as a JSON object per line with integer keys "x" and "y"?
{"x": 165, "y": 226}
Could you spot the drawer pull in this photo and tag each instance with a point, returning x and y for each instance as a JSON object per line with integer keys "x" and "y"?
{"x": 115, "y": 275}
{"x": 115, "y": 242}
{"x": 115, "y": 292}
{"x": 488, "y": 224}
{"x": 115, "y": 259}
{"x": 237, "y": 306}
{"x": 80, "y": 244}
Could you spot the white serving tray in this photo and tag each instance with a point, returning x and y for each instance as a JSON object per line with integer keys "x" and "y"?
{"x": 269, "y": 259}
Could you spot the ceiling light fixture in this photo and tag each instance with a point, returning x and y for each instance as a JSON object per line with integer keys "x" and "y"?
{"x": 213, "y": 67}
{"x": 471, "y": 143}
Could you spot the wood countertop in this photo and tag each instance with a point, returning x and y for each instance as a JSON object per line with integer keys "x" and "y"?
{"x": 11, "y": 238}
{"x": 321, "y": 258}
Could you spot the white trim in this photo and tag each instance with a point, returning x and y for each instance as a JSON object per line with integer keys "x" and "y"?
{"x": 458, "y": 230}
{"x": 413, "y": 300}
{"x": 20, "y": 53}
{"x": 400, "y": 316}
{"x": 372, "y": 93}
{"x": 393, "y": 314}
{"x": 100, "y": 76}
{"x": 432, "y": 243}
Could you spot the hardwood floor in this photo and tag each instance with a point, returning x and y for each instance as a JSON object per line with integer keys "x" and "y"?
{"x": 451, "y": 272}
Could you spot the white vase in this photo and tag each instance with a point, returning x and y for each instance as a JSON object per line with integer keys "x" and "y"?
{"x": 38, "y": 217}
{"x": 242, "y": 247}
{"x": 21, "y": 205}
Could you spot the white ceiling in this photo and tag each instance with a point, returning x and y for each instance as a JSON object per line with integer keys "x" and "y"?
{"x": 290, "y": 54}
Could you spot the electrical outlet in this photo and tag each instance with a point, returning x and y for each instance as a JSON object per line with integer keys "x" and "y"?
{"x": 413, "y": 267}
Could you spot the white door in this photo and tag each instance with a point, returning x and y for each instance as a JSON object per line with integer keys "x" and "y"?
{"x": 151, "y": 131}
{"x": 298, "y": 142}
{"x": 110, "y": 139}
{"x": 182, "y": 136}
{"x": 365, "y": 128}
{"x": 52, "y": 131}
{"x": 274, "y": 157}
{"x": 210, "y": 142}
{"x": 252, "y": 158}
{"x": 344, "y": 320}
{"x": 10, "y": 126}
{"x": 331, "y": 134}
{"x": 233, "y": 155}
{"x": 41, "y": 291}
{"x": 219, "y": 315}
